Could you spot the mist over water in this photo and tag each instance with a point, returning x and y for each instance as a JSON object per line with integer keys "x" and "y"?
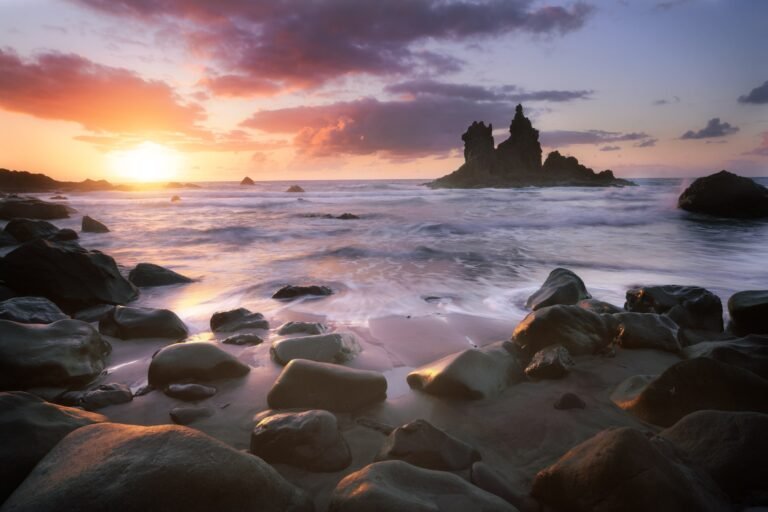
{"x": 415, "y": 251}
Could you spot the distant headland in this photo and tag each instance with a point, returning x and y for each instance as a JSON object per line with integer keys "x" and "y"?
{"x": 516, "y": 162}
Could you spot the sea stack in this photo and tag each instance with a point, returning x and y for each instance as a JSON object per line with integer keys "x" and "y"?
{"x": 247, "y": 181}
{"x": 725, "y": 194}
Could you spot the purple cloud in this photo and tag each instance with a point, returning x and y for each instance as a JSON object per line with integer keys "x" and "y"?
{"x": 561, "y": 138}
{"x": 714, "y": 128}
{"x": 510, "y": 93}
{"x": 758, "y": 95}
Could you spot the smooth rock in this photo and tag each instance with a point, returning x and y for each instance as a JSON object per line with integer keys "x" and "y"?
{"x": 293, "y": 292}
{"x": 186, "y": 414}
{"x": 561, "y": 287}
{"x": 65, "y": 235}
{"x": 149, "y": 274}
{"x": 301, "y": 328}
{"x": 569, "y": 401}
{"x": 30, "y": 310}
{"x": 6, "y": 239}
{"x": 599, "y": 307}
{"x": 94, "y": 313}
{"x": 242, "y": 339}
{"x": 580, "y": 331}
{"x": 24, "y": 230}
{"x": 91, "y": 225}
{"x": 190, "y": 392}
{"x": 295, "y": 189}
{"x": 191, "y": 362}
{"x": 31, "y": 208}
{"x": 336, "y": 347}
{"x": 691, "y": 307}
{"x": 102, "y": 396}
{"x": 490, "y": 480}
{"x": 749, "y": 353}
{"x": 553, "y": 362}
{"x": 237, "y": 320}
{"x": 128, "y": 323}
{"x": 725, "y": 194}
{"x": 647, "y": 330}
{"x": 749, "y": 312}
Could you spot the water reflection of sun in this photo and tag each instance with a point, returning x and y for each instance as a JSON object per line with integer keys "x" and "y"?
{"x": 146, "y": 162}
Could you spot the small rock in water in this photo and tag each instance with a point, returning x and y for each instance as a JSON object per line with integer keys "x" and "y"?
{"x": 247, "y": 181}
{"x": 325, "y": 348}
{"x": 552, "y": 362}
{"x": 561, "y": 287}
{"x": 725, "y": 194}
{"x": 348, "y": 216}
{"x": 175, "y": 199}
{"x": 301, "y": 328}
{"x": 293, "y": 291}
{"x": 186, "y": 414}
{"x": 149, "y": 274}
{"x": 570, "y": 401}
{"x": 91, "y": 225}
{"x": 242, "y": 339}
{"x": 102, "y": 396}
{"x": 190, "y": 392}
{"x": 127, "y": 322}
{"x": 295, "y": 189}
{"x": 58, "y": 198}
{"x": 237, "y": 320}
{"x": 193, "y": 361}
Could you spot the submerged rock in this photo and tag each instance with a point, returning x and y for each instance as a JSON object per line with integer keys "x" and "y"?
{"x": 561, "y": 287}
{"x": 725, "y": 194}
{"x": 578, "y": 330}
{"x": 186, "y": 414}
{"x": 149, "y": 274}
{"x": 128, "y": 323}
{"x": 569, "y": 401}
{"x": 237, "y": 320}
{"x": 647, "y": 330}
{"x": 190, "y": 392}
{"x": 243, "y": 339}
{"x": 749, "y": 312}
{"x": 301, "y": 328}
{"x": 31, "y": 208}
{"x": 336, "y": 347}
{"x": 30, "y": 310}
{"x": 348, "y": 216}
{"x": 91, "y": 225}
{"x": 172, "y": 468}
{"x": 295, "y": 189}
{"x": 553, "y": 362}
{"x": 102, "y": 396}
{"x": 247, "y": 181}
{"x": 690, "y": 307}
{"x": 192, "y": 362}
{"x": 294, "y": 292}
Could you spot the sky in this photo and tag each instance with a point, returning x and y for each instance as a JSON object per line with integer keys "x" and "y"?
{"x": 197, "y": 90}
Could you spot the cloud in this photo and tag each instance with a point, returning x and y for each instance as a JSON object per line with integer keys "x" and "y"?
{"x": 762, "y": 149}
{"x": 648, "y": 143}
{"x": 714, "y": 128}
{"x": 664, "y": 101}
{"x": 239, "y": 85}
{"x": 561, "y": 138}
{"x": 610, "y": 148}
{"x": 427, "y": 87}
{"x": 669, "y": 4}
{"x": 758, "y": 95}
{"x": 304, "y": 44}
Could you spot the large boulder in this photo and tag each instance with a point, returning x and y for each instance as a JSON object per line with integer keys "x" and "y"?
{"x": 647, "y": 330}
{"x": 749, "y": 312}
{"x": 192, "y": 362}
{"x": 421, "y": 444}
{"x": 749, "y": 352}
{"x": 690, "y": 307}
{"x": 31, "y": 208}
{"x": 130, "y": 468}
{"x": 552, "y": 362}
{"x": 470, "y": 374}
{"x": 295, "y": 291}
{"x": 66, "y": 353}
{"x": 30, "y": 310}
{"x": 731, "y": 446}
{"x": 237, "y": 320}
{"x": 29, "y": 428}
{"x": 309, "y": 440}
{"x": 396, "y": 486}
{"x": 337, "y": 347}
{"x": 25, "y": 230}
{"x": 561, "y": 287}
{"x": 127, "y": 322}
{"x": 313, "y": 385}
{"x": 149, "y": 274}
{"x": 579, "y": 330}
{"x": 725, "y": 194}
{"x": 91, "y": 225}
{"x": 622, "y": 469}
{"x": 69, "y": 275}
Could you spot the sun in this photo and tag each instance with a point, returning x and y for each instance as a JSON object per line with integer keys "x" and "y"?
{"x": 147, "y": 162}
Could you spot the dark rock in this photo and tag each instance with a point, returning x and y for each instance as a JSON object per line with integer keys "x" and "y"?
{"x": 191, "y": 362}
{"x": 22, "y": 181}
{"x": 25, "y": 230}
{"x": 301, "y": 328}
{"x": 237, "y": 320}
{"x": 6, "y": 239}
{"x": 65, "y": 235}
{"x": 247, "y": 181}
{"x": 91, "y": 225}
{"x": 66, "y": 353}
{"x": 421, "y": 444}
{"x": 127, "y": 323}
{"x": 67, "y": 274}
{"x": 490, "y": 480}
{"x": 31, "y": 208}
{"x": 647, "y": 330}
{"x": 598, "y": 306}
{"x": 396, "y": 486}
{"x": 749, "y": 312}
{"x": 472, "y": 374}
{"x": 313, "y": 385}
{"x": 94, "y": 313}
{"x": 186, "y": 414}
{"x": 310, "y": 440}
{"x": 725, "y": 194}
{"x": 570, "y": 401}
{"x": 580, "y": 331}
{"x": 326, "y": 348}
{"x": 697, "y": 384}
{"x": 552, "y": 362}
{"x": 6, "y": 293}
{"x": 131, "y": 468}
{"x": 58, "y": 198}
{"x": 102, "y": 396}
{"x": 190, "y": 392}
{"x": 175, "y": 199}
{"x": 348, "y": 216}
{"x": 295, "y": 188}
{"x": 149, "y": 274}
{"x": 690, "y": 307}
{"x": 293, "y": 292}
{"x": 29, "y": 428}
{"x": 567, "y": 170}
{"x": 622, "y": 469}
{"x": 242, "y": 339}
{"x": 30, "y": 310}
{"x": 561, "y": 287}
{"x": 749, "y": 353}
{"x": 176, "y": 184}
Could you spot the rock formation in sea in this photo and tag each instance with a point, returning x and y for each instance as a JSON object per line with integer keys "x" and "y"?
{"x": 247, "y": 181}
{"x": 516, "y": 162}
{"x": 725, "y": 194}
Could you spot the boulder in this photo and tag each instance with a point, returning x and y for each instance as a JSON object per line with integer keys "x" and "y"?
{"x": 94, "y": 313}
{"x": 66, "y": 353}
{"x": 67, "y": 274}
{"x": 91, "y": 225}
{"x": 749, "y": 353}
{"x": 749, "y": 312}
{"x": 294, "y": 292}
{"x": 301, "y": 328}
{"x": 243, "y": 339}
{"x": 237, "y": 320}
{"x": 190, "y": 392}
{"x": 102, "y": 396}
{"x": 598, "y": 306}
{"x": 647, "y": 330}
{"x": 65, "y": 235}
{"x": 569, "y": 401}
{"x": 690, "y": 307}
{"x": 396, "y": 486}
{"x": 561, "y": 287}
{"x": 622, "y": 469}
{"x": 337, "y": 347}
{"x": 127, "y": 323}
{"x": 490, "y": 480}
{"x": 29, "y": 428}
{"x": 186, "y": 414}
{"x": 149, "y": 274}
{"x": 192, "y": 362}
{"x": 6, "y": 239}
{"x": 25, "y": 230}
{"x": 247, "y": 181}
{"x": 696, "y": 384}
{"x": 31, "y": 208}
{"x": 421, "y": 444}
{"x": 30, "y": 310}
{"x": 580, "y": 331}
{"x": 313, "y": 385}
{"x": 553, "y": 362}
{"x": 310, "y": 440}
{"x": 725, "y": 194}
{"x": 472, "y": 374}
{"x": 130, "y": 468}
{"x": 295, "y": 189}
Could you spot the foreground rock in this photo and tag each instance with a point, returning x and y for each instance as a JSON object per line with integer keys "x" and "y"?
{"x": 553, "y": 362}
{"x": 102, "y": 396}
{"x": 579, "y": 330}
{"x": 30, "y": 310}
{"x": 187, "y": 414}
{"x": 599, "y": 307}
{"x": 127, "y": 323}
{"x": 247, "y": 181}
{"x": 421, "y": 444}
{"x": 396, "y": 486}
{"x": 749, "y": 353}
{"x": 24, "y": 230}
{"x": 91, "y": 225}
{"x": 295, "y": 189}
{"x": 193, "y": 362}
{"x": 561, "y": 287}
{"x": 725, "y": 194}
{"x": 294, "y": 292}
{"x": 337, "y": 347}
{"x": 310, "y": 440}
{"x": 647, "y": 330}
{"x": 472, "y": 374}
{"x": 67, "y": 274}
{"x": 749, "y": 312}
{"x": 172, "y": 468}
{"x": 313, "y": 385}
{"x": 301, "y": 328}
{"x": 621, "y": 469}
{"x": 190, "y": 392}
{"x": 66, "y": 353}
{"x": 29, "y": 428}
{"x": 237, "y": 320}
{"x": 31, "y": 208}
{"x": 149, "y": 274}
{"x": 488, "y": 479}
{"x": 690, "y": 307}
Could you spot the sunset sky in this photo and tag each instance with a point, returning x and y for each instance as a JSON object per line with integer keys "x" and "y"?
{"x": 201, "y": 90}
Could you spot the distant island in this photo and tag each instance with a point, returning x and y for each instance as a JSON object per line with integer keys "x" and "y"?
{"x": 516, "y": 162}
{"x": 23, "y": 181}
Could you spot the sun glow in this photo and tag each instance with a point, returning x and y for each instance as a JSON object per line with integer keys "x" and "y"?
{"x": 147, "y": 162}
